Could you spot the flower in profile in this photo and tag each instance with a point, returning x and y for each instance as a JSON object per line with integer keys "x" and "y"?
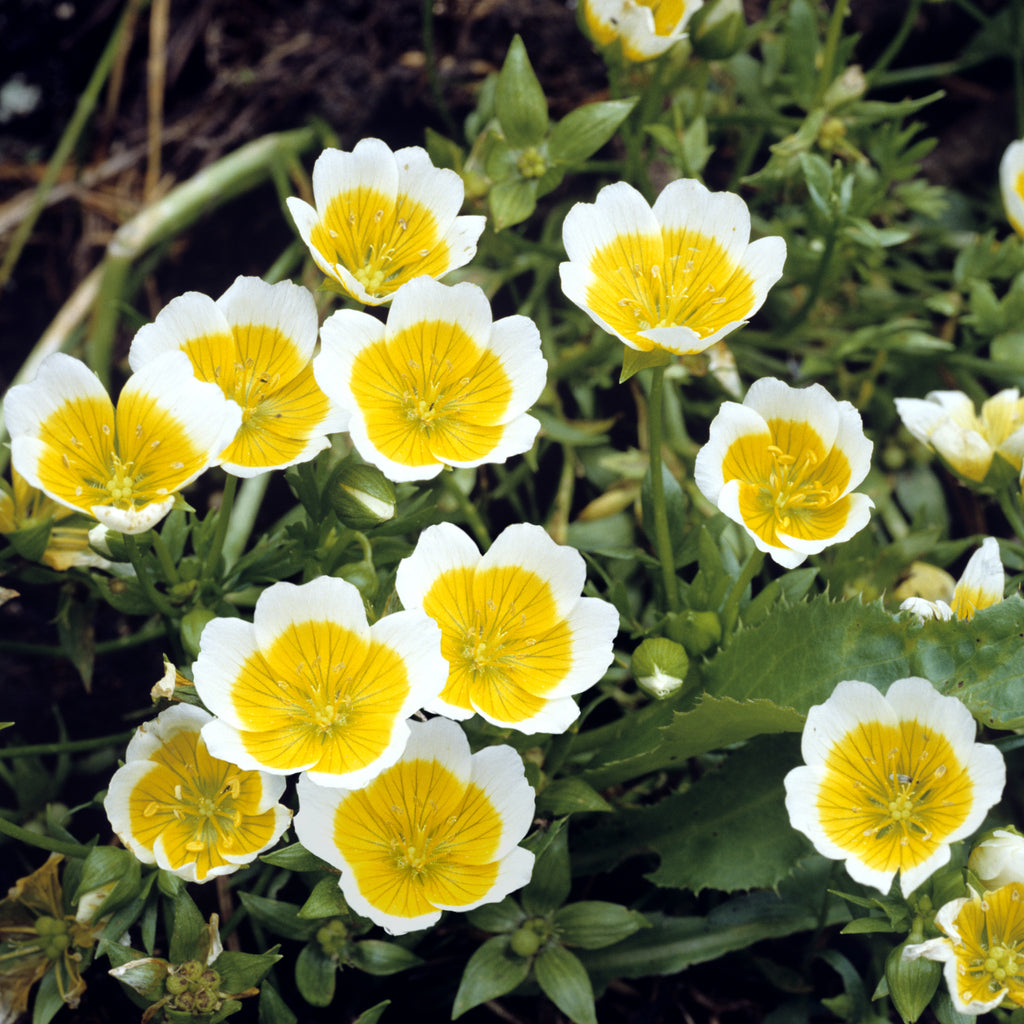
{"x": 678, "y": 276}
{"x": 309, "y": 686}
{"x": 438, "y": 830}
{"x": 783, "y": 464}
{"x": 518, "y": 636}
{"x": 1011, "y": 184}
{"x": 646, "y": 28}
{"x": 980, "y": 586}
{"x": 998, "y": 859}
{"x": 122, "y": 467}
{"x": 968, "y": 441}
{"x": 256, "y": 344}
{"x": 438, "y": 385}
{"x": 890, "y": 781}
{"x": 383, "y": 218}
{"x": 980, "y": 949}
{"x": 175, "y": 805}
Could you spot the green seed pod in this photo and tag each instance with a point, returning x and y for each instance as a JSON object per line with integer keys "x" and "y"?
{"x": 362, "y": 496}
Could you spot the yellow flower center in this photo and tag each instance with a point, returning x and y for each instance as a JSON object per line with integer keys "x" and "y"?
{"x": 675, "y": 279}
{"x": 208, "y": 810}
{"x": 383, "y": 242}
{"x": 121, "y": 485}
{"x": 892, "y": 794}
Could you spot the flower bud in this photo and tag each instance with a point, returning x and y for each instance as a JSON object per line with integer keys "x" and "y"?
{"x": 716, "y": 30}
{"x": 849, "y": 86}
{"x": 912, "y": 983}
{"x": 998, "y": 859}
{"x": 660, "y": 667}
{"x": 362, "y": 497}
{"x": 698, "y": 632}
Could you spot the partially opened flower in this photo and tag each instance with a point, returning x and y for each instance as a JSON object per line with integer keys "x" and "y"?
{"x": 121, "y": 467}
{"x": 677, "y": 276}
{"x": 438, "y": 385}
{"x": 383, "y": 218}
{"x": 309, "y": 686}
{"x": 981, "y": 949}
{"x": 980, "y": 586}
{"x": 890, "y": 781}
{"x": 783, "y": 464}
{"x": 175, "y": 805}
{"x": 646, "y": 28}
{"x": 256, "y": 344}
{"x": 1011, "y": 184}
{"x": 436, "y": 831}
{"x": 968, "y": 441}
{"x": 999, "y": 858}
{"x": 518, "y": 636}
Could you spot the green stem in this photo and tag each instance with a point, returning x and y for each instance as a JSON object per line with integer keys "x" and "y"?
{"x": 167, "y": 566}
{"x": 1008, "y": 503}
{"x": 68, "y": 746}
{"x": 243, "y": 517}
{"x": 659, "y": 511}
{"x": 8, "y": 828}
{"x": 896, "y": 43}
{"x": 1017, "y": 35}
{"x": 828, "y": 60}
{"x": 731, "y": 607}
{"x": 468, "y": 510}
{"x": 220, "y": 530}
{"x": 430, "y": 53}
{"x": 142, "y": 574}
{"x": 143, "y": 636}
{"x": 817, "y": 284}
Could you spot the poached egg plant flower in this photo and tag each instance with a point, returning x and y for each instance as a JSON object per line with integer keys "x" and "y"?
{"x": 783, "y": 465}
{"x": 645, "y": 28}
{"x": 891, "y": 780}
{"x": 1011, "y": 184}
{"x": 518, "y": 636}
{"x": 174, "y": 805}
{"x": 309, "y": 686}
{"x": 438, "y": 385}
{"x": 980, "y": 949}
{"x": 438, "y": 830}
{"x": 980, "y": 586}
{"x": 123, "y": 467}
{"x": 383, "y": 218}
{"x": 678, "y": 276}
{"x": 256, "y": 344}
{"x": 968, "y": 441}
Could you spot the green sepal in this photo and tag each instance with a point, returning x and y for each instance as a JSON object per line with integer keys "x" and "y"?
{"x": 633, "y": 361}
{"x": 30, "y": 540}
{"x": 564, "y": 980}
{"x": 497, "y": 917}
{"x": 912, "y": 983}
{"x": 108, "y": 865}
{"x": 519, "y": 100}
{"x": 594, "y": 924}
{"x": 512, "y": 201}
{"x": 492, "y": 971}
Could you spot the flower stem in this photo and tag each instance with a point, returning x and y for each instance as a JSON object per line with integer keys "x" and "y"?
{"x": 160, "y": 602}
{"x": 8, "y": 828}
{"x": 731, "y": 606}
{"x": 835, "y": 28}
{"x": 659, "y": 511}
{"x": 468, "y": 509}
{"x": 220, "y": 530}
{"x": 66, "y": 747}
{"x": 1008, "y": 503}
{"x": 897, "y": 41}
{"x": 243, "y": 517}
{"x": 167, "y": 566}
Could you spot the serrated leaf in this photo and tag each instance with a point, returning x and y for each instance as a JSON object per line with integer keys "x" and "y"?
{"x": 800, "y": 653}
{"x": 492, "y": 971}
{"x": 564, "y": 980}
{"x": 593, "y": 924}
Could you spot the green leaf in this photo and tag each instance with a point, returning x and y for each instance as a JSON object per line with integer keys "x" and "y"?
{"x": 315, "y": 975}
{"x": 800, "y": 653}
{"x": 497, "y": 917}
{"x": 295, "y": 858}
{"x": 326, "y": 900}
{"x": 634, "y": 361}
{"x": 281, "y": 918}
{"x": 381, "y": 958}
{"x": 583, "y": 131}
{"x": 492, "y": 971}
{"x": 564, "y": 796}
{"x": 512, "y": 201}
{"x": 241, "y": 971}
{"x": 519, "y": 101}
{"x": 593, "y": 924}
{"x": 48, "y": 999}
{"x": 373, "y": 1014}
{"x": 550, "y": 884}
{"x": 564, "y": 981}
{"x": 189, "y": 933}
{"x": 77, "y": 633}
{"x": 272, "y": 1008}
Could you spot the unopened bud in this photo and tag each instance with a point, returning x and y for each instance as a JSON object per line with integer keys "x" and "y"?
{"x": 716, "y": 30}
{"x": 362, "y": 496}
{"x": 660, "y": 667}
{"x": 849, "y": 86}
{"x": 998, "y": 859}
{"x": 698, "y": 632}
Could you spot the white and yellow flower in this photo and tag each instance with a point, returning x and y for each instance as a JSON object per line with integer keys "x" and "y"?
{"x": 646, "y": 28}
{"x": 174, "y": 805}
{"x": 518, "y": 636}
{"x": 981, "y": 949}
{"x": 383, "y": 218}
{"x": 998, "y": 859}
{"x": 981, "y": 585}
{"x": 678, "y": 276}
{"x": 309, "y": 686}
{"x": 438, "y": 385}
{"x": 121, "y": 467}
{"x": 783, "y": 464}
{"x": 1011, "y": 184}
{"x": 890, "y": 781}
{"x": 968, "y": 441}
{"x": 256, "y": 344}
{"x": 438, "y": 830}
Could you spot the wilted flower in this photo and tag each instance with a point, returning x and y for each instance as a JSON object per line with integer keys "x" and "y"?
{"x": 518, "y": 636}
{"x": 1011, "y": 184}
{"x": 436, "y": 831}
{"x": 256, "y": 344}
{"x": 783, "y": 464}
{"x": 309, "y": 686}
{"x": 438, "y": 385}
{"x": 384, "y": 218}
{"x": 174, "y": 805}
{"x": 979, "y": 587}
{"x": 998, "y": 859}
{"x": 678, "y": 276}
{"x": 646, "y": 28}
{"x": 981, "y": 949}
{"x": 123, "y": 468}
{"x": 890, "y": 781}
{"x": 966, "y": 440}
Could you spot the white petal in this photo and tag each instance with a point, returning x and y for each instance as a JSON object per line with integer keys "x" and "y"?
{"x": 514, "y": 871}
{"x": 416, "y": 638}
{"x": 515, "y": 340}
{"x": 594, "y": 624}
{"x": 324, "y": 599}
{"x": 314, "y": 821}
{"x": 424, "y": 300}
{"x": 224, "y": 647}
{"x": 1011, "y": 167}
{"x": 685, "y": 341}
{"x": 764, "y": 261}
{"x": 439, "y": 189}
{"x": 184, "y": 319}
{"x": 135, "y": 520}
{"x": 61, "y": 378}
{"x": 732, "y": 422}
{"x": 371, "y": 165}
{"x": 151, "y": 736}
{"x": 439, "y": 549}
{"x": 852, "y": 703}
{"x": 343, "y": 336}
{"x": 686, "y": 205}
{"x": 618, "y": 210}
{"x": 223, "y": 741}
{"x": 576, "y": 281}
{"x": 983, "y": 573}
{"x": 857, "y": 518}
{"x": 285, "y": 306}
{"x": 554, "y": 717}
{"x": 774, "y": 399}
